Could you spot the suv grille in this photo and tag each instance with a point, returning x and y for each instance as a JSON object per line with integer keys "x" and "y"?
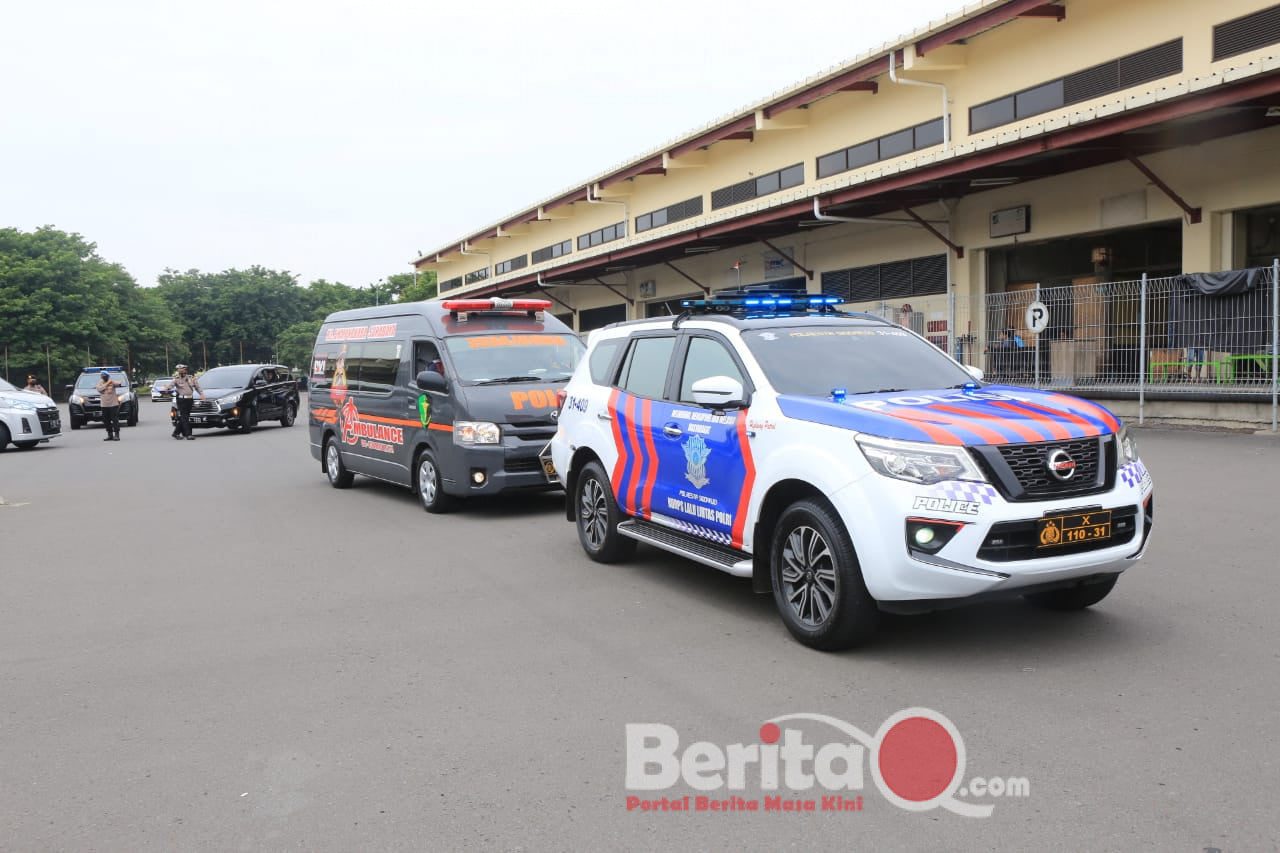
{"x": 1016, "y": 540}
{"x": 204, "y": 406}
{"x": 49, "y": 417}
{"x": 1021, "y": 471}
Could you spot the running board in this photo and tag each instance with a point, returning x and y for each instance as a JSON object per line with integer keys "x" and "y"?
{"x": 694, "y": 547}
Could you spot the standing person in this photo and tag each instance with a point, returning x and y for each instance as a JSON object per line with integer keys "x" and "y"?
{"x": 184, "y": 388}
{"x": 110, "y": 405}
{"x": 34, "y": 386}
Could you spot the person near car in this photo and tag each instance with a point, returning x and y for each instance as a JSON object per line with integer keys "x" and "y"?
{"x": 110, "y": 405}
{"x": 34, "y": 386}
{"x": 185, "y": 388}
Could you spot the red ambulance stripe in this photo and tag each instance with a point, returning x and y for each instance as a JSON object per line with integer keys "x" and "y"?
{"x": 744, "y": 497}
{"x": 1054, "y": 429}
{"x": 940, "y": 434}
{"x": 651, "y": 474}
{"x": 638, "y": 469}
{"x": 1022, "y": 430}
{"x": 1091, "y": 408}
{"x": 621, "y": 462}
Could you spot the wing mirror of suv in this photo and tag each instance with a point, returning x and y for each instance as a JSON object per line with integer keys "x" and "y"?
{"x": 975, "y": 372}
{"x": 719, "y": 392}
{"x": 259, "y": 383}
{"x": 432, "y": 382}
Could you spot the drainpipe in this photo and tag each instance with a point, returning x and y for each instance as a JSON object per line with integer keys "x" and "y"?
{"x": 869, "y": 220}
{"x": 946, "y": 98}
{"x": 592, "y": 198}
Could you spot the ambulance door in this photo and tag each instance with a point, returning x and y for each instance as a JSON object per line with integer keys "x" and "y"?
{"x": 705, "y": 469}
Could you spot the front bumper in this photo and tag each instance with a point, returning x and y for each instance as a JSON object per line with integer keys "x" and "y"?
{"x": 991, "y": 553}
{"x": 29, "y": 425}
{"x": 512, "y": 465}
{"x": 93, "y": 411}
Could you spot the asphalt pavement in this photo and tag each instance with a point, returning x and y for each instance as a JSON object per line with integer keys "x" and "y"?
{"x": 205, "y": 647}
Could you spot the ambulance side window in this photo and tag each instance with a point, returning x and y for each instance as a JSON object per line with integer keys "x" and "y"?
{"x": 426, "y": 356}
{"x": 602, "y": 359}
{"x": 644, "y": 372}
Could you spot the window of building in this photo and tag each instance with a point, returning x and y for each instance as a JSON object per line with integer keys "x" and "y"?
{"x": 782, "y": 179}
{"x": 1246, "y": 33}
{"x": 450, "y": 284}
{"x": 608, "y": 234}
{"x": 1103, "y": 79}
{"x": 476, "y": 275}
{"x": 1261, "y": 236}
{"x": 555, "y": 250}
{"x": 922, "y": 276}
{"x": 686, "y": 209}
{"x": 644, "y": 371}
{"x": 895, "y": 144}
{"x": 519, "y": 262}
{"x": 704, "y": 358}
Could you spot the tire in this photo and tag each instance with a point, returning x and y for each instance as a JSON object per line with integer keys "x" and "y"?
{"x": 4, "y": 437}
{"x": 76, "y": 423}
{"x": 817, "y": 582}
{"x": 598, "y": 517}
{"x": 429, "y": 487}
{"x": 339, "y": 476}
{"x": 1073, "y": 597}
{"x": 246, "y": 420}
{"x": 25, "y": 445}
{"x": 290, "y": 414}
{"x": 133, "y": 415}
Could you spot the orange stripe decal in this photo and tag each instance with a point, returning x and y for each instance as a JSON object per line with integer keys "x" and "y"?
{"x": 1022, "y": 430}
{"x": 1056, "y": 430}
{"x": 940, "y": 434}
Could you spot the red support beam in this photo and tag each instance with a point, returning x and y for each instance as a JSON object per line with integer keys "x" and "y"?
{"x": 862, "y": 86}
{"x": 808, "y": 272}
{"x": 959, "y": 250}
{"x": 645, "y": 167}
{"x": 977, "y": 24}
{"x": 1058, "y": 13}
{"x": 553, "y": 298}
{"x": 839, "y": 83}
{"x": 1193, "y": 213}
{"x": 713, "y": 136}
{"x": 686, "y": 275}
{"x": 615, "y": 291}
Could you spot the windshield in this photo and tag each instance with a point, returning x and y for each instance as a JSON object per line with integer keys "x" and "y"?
{"x": 89, "y": 381}
{"x": 514, "y": 358}
{"x": 815, "y": 360}
{"x": 235, "y": 376}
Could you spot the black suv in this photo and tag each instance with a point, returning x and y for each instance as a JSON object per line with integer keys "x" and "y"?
{"x": 241, "y": 396}
{"x": 85, "y": 404}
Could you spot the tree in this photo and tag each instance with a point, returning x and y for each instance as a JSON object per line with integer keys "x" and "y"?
{"x": 413, "y": 287}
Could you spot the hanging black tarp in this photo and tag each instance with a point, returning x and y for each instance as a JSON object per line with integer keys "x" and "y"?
{"x": 1221, "y": 312}
{"x": 1226, "y": 283}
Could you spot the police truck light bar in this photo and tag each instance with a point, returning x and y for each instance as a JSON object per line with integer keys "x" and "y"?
{"x": 763, "y": 303}
{"x": 460, "y": 307}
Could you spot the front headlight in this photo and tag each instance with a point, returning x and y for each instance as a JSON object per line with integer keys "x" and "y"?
{"x": 76, "y": 398}
{"x": 919, "y": 463}
{"x": 232, "y": 400}
{"x": 476, "y": 432}
{"x": 1126, "y": 448}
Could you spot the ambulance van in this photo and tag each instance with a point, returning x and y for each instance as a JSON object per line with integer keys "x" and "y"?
{"x": 449, "y": 398}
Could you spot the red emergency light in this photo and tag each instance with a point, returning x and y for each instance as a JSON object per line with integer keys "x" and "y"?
{"x": 496, "y": 304}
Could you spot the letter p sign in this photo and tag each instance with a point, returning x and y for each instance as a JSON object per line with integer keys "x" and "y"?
{"x": 1037, "y": 317}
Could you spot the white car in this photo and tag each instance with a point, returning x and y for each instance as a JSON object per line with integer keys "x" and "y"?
{"x": 845, "y": 464}
{"x": 26, "y": 419}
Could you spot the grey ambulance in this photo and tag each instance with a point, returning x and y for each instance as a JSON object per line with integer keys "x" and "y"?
{"x": 450, "y": 398}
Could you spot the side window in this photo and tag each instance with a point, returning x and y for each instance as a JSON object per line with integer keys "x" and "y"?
{"x": 706, "y": 357}
{"x": 426, "y": 356}
{"x": 644, "y": 373}
{"x": 378, "y": 365}
{"x": 602, "y": 358}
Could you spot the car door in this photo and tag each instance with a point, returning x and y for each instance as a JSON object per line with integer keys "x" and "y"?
{"x": 705, "y": 471}
{"x": 263, "y": 390}
{"x": 641, "y": 384}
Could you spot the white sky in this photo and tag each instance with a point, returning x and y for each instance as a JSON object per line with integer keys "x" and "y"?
{"x": 336, "y": 140}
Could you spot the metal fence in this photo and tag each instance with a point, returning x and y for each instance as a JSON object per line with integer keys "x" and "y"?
{"x": 1150, "y": 336}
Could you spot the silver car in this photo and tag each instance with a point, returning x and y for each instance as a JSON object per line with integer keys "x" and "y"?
{"x": 161, "y": 390}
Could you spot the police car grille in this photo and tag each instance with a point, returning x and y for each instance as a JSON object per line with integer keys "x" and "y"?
{"x": 204, "y": 406}
{"x": 48, "y": 417}
{"x": 1028, "y": 462}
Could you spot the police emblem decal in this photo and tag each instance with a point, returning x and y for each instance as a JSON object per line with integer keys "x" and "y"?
{"x": 695, "y": 454}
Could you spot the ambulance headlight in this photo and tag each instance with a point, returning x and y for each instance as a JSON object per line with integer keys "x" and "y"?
{"x": 475, "y": 432}
{"x": 919, "y": 463}
{"x": 1126, "y": 448}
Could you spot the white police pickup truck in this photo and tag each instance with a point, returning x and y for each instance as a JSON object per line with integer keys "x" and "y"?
{"x": 845, "y": 464}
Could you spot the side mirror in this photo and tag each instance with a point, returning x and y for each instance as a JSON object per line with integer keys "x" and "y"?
{"x": 432, "y": 382}
{"x": 719, "y": 392}
{"x": 975, "y": 372}
{"x": 69, "y": 387}
{"x": 259, "y": 383}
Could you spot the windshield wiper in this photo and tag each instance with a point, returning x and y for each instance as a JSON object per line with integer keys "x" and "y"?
{"x": 879, "y": 391}
{"x": 504, "y": 379}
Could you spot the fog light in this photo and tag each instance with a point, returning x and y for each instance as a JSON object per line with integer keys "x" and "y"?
{"x": 924, "y": 535}
{"x": 477, "y": 476}
{"x": 929, "y": 535}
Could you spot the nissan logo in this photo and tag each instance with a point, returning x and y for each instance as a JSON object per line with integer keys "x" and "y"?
{"x": 1061, "y": 465}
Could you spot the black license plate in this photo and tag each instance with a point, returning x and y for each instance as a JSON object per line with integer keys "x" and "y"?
{"x": 1074, "y": 528}
{"x": 548, "y": 466}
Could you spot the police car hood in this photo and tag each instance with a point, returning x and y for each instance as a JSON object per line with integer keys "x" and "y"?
{"x": 27, "y": 397}
{"x": 514, "y": 403}
{"x": 992, "y": 414}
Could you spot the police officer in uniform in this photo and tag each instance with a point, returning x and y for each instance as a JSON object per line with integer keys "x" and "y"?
{"x": 110, "y": 405}
{"x": 184, "y": 389}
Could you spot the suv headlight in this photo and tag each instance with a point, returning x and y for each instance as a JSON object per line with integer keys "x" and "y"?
{"x": 229, "y": 400}
{"x": 76, "y": 398}
{"x": 476, "y": 432}
{"x": 1126, "y": 448}
{"x": 919, "y": 463}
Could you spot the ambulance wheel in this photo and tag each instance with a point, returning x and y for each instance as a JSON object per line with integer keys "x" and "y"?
{"x": 817, "y": 583}
{"x": 598, "y": 517}
{"x": 339, "y": 476}
{"x": 1074, "y": 597}
{"x": 290, "y": 415}
{"x": 430, "y": 489}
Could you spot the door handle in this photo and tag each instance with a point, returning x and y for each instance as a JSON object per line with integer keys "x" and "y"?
{"x": 672, "y": 431}
{"x": 604, "y": 416}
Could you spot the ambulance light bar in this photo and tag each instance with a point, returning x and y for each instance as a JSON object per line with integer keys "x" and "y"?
{"x": 460, "y": 307}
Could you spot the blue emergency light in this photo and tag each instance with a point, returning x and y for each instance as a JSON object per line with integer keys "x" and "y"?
{"x": 761, "y": 303}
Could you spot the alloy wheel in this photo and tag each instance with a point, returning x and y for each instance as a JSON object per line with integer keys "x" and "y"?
{"x": 594, "y": 513}
{"x": 809, "y": 576}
